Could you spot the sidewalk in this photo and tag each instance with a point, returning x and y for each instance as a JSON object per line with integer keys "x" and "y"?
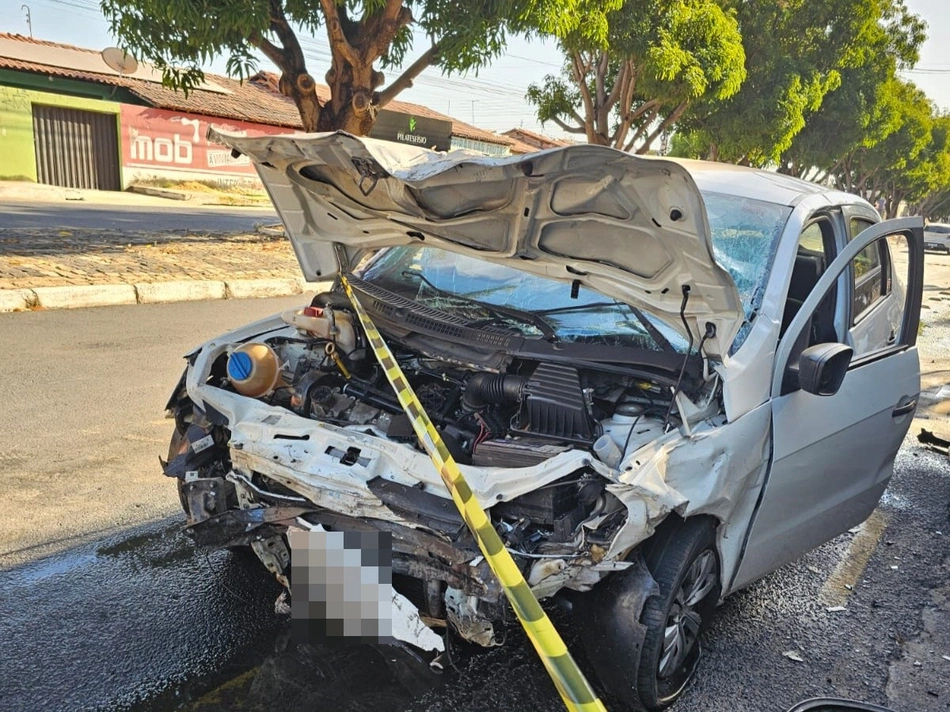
{"x": 82, "y": 268}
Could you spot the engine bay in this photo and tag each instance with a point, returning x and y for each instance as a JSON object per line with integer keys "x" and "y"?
{"x": 524, "y": 414}
{"x": 570, "y": 421}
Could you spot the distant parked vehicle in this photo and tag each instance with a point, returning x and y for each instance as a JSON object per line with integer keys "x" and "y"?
{"x": 937, "y": 237}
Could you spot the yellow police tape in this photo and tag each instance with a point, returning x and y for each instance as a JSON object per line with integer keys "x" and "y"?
{"x": 568, "y": 679}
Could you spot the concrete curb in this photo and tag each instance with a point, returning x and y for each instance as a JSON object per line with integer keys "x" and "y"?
{"x": 164, "y": 292}
{"x": 16, "y": 299}
{"x": 92, "y": 295}
{"x": 158, "y": 192}
{"x": 74, "y": 297}
{"x": 257, "y": 288}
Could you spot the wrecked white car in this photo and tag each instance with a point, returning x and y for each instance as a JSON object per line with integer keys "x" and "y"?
{"x": 661, "y": 379}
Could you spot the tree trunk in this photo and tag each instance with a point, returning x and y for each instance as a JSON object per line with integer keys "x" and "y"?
{"x": 352, "y": 88}
{"x": 301, "y": 89}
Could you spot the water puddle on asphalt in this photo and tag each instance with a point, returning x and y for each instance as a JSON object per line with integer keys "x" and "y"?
{"x": 315, "y": 676}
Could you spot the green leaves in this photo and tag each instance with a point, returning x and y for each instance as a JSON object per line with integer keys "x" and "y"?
{"x": 798, "y": 54}
{"x": 631, "y": 85}
{"x": 179, "y": 37}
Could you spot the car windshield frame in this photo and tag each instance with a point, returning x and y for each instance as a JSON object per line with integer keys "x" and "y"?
{"x": 448, "y": 281}
{"x": 745, "y": 234}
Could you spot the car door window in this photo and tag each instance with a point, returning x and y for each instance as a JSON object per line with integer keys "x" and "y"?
{"x": 879, "y": 278}
{"x": 870, "y": 273}
{"x": 815, "y": 251}
{"x": 890, "y": 324}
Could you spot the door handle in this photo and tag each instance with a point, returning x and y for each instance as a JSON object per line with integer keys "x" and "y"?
{"x": 892, "y": 338}
{"x": 904, "y": 406}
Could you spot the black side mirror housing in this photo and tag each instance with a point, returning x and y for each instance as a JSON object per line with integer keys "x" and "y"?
{"x": 822, "y": 368}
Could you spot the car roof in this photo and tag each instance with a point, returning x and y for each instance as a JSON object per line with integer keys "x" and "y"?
{"x": 758, "y": 183}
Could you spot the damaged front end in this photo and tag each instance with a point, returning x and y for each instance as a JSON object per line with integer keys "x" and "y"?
{"x": 291, "y": 424}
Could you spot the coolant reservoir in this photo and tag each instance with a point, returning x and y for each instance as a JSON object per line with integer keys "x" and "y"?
{"x": 254, "y": 369}
{"x": 332, "y": 325}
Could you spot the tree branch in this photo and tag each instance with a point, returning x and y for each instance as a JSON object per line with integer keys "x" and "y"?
{"x": 602, "y": 119}
{"x": 580, "y": 78}
{"x": 292, "y": 59}
{"x": 338, "y": 42}
{"x": 641, "y": 129}
{"x": 627, "y": 89}
{"x": 664, "y": 125}
{"x": 274, "y": 53}
{"x": 404, "y": 80}
{"x": 652, "y": 105}
{"x": 599, "y": 80}
{"x": 567, "y": 127}
{"x": 377, "y": 31}
{"x": 621, "y": 78}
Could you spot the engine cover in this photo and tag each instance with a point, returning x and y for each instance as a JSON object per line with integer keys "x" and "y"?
{"x": 554, "y": 406}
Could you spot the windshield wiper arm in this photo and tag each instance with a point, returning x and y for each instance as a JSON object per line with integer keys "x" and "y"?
{"x": 498, "y": 312}
{"x": 654, "y": 333}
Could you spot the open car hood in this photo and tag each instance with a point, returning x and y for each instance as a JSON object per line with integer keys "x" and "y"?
{"x": 629, "y": 227}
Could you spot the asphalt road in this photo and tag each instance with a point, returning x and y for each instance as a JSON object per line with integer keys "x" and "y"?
{"x": 82, "y": 422}
{"x": 131, "y": 218}
{"x": 137, "y": 620}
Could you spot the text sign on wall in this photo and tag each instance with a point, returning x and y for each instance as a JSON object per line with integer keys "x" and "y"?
{"x": 416, "y": 130}
{"x": 155, "y": 138}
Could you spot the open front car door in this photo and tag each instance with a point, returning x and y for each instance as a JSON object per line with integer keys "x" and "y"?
{"x": 840, "y": 409}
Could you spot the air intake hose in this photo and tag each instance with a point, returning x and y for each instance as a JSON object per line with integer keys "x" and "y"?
{"x": 492, "y": 388}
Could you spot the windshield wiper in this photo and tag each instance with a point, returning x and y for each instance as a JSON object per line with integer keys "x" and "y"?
{"x": 654, "y": 333}
{"x": 497, "y": 312}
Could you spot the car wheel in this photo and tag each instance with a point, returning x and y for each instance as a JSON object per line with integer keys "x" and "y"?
{"x": 685, "y": 565}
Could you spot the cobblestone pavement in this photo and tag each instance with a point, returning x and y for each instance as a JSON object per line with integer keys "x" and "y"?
{"x": 41, "y": 258}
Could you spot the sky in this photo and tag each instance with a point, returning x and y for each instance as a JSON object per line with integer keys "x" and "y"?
{"x": 492, "y": 98}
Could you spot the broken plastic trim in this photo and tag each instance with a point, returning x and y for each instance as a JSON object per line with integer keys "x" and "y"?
{"x": 933, "y": 442}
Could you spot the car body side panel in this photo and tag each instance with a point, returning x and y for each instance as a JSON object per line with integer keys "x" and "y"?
{"x": 829, "y": 471}
{"x": 716, "y": 471}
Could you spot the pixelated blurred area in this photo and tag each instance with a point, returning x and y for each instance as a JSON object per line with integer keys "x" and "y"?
{"x": 341, "y": 586}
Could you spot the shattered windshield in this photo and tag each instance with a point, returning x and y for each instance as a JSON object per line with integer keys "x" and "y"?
{"x": 534, "y": 306}
{"x": 745, "y": 235}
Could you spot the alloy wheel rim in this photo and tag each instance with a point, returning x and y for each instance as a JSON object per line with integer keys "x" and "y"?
{"x": 684, "y": 620}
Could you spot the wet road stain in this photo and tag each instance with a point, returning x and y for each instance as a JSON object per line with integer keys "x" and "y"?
{"x": 141, "y": 622}
{"x": 851, "y": 567}
{"x": 137, "y": 622}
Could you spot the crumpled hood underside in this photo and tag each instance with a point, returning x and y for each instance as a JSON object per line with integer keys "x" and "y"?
{"x": 629, "y": 227}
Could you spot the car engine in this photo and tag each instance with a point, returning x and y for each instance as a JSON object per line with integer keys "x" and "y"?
{"x": 523, "y": 415}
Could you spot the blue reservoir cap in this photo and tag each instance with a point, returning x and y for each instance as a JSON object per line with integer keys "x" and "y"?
{"x": 240, "y": 366}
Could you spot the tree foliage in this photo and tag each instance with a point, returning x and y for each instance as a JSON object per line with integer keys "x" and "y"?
{"x": 864, "y": 109}
{"x": 181, "y": 36}
{"x": 891, "y": 168}
{"x": 799, "y": 52}
{"x": 657, "y": 58}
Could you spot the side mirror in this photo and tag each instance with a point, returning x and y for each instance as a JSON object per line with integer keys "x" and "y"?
{"x": 822, "y": 368}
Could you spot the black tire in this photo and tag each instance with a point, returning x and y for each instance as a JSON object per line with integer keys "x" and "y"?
{"x": 683, "y": 560}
